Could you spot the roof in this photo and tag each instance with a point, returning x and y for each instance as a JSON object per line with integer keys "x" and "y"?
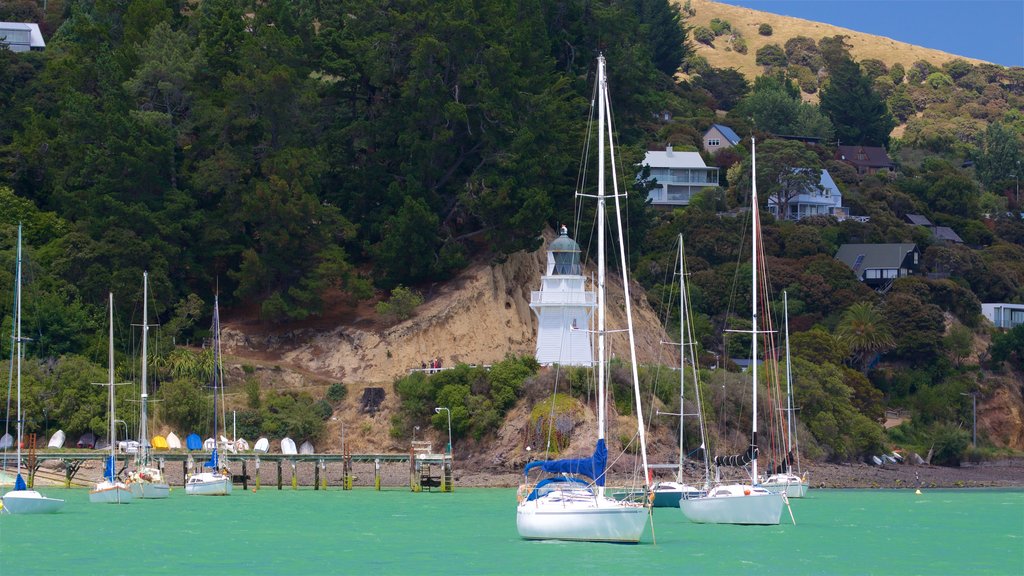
{"x": 864, "y": 156}
{"x": 918, "y": 219}
{"x": 829, "y": 184}
{"x": 35, "y": 35}
{"x": 673, "y": 159}
{"x": 946, "y": 233}
{"x": 873, "y": 256}
{"x": 729, "y": 133}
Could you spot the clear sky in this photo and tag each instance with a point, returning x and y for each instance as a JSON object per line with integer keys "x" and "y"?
{"x": 990, "y": 30}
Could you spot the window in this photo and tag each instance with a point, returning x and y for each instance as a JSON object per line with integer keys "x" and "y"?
{"x": 1016, "y": 318}
{"x": 714, "y": 142}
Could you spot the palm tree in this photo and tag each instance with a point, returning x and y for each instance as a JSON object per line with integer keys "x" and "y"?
{"x": 865, "y": 332}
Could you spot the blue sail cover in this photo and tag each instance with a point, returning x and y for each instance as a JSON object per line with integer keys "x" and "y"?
{"x": 108, "y": 468}
{"x": 194, "y": 442}
{"x": 592, "y": 467}
{"x": 212, "y": 462}
{"x": 19, "y": 483}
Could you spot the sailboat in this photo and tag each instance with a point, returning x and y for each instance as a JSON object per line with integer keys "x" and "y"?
{"x": 668, "y": 493}
{"x": 742, "y": 502}
{"x": 21, "y": 500}
{"x": 212, "y": 481}
{"x": 573, "y": 505}
{"x": 785, "y": 479}
{"x": 111, "y": 490}
{"x": 147, "y": 481}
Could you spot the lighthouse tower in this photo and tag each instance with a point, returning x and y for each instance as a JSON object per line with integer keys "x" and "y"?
{"x": 563, "y": 307}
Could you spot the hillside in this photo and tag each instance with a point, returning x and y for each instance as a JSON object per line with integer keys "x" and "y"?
{"x": 746, "y": 21}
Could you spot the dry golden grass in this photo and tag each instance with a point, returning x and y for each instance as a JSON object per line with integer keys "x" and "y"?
{"x": 746, "y": 21}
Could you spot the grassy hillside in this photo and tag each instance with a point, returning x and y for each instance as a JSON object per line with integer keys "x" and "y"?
{"x": 746, "y": 22}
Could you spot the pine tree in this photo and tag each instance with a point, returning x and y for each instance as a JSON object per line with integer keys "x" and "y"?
{"x": 858, "y": 114}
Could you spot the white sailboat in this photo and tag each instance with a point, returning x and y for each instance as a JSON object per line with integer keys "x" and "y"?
{"x": 147, "y": 481}
{"x": 667, "y": 494}
{"x": 21, "y": 500}
{"x": 111, "y": 490}
{"x": 573, "y": 504}
{"x": 743, "y": 502}
{"x": 212, "y": 480}
{"x": 786, "y": 479}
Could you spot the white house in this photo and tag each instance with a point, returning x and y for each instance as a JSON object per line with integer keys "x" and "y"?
{"x": 826, "y": 201}
{"x": 21, "y": 36}
{"x": 1004, "y": 315}
{"x": 679, "y": 175}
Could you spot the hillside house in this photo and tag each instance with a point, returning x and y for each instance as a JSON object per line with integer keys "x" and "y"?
{"x": 21, "y": 36}
{"x": 877, "y": 265}
{"x": 824, "y": 201}
{"x": 678, "y": 176}
{"x": 940, "y": 233}
{"x": 718, "y": 137}
{"x": 866, "y": 159}
{"x": 1003, "y": 315}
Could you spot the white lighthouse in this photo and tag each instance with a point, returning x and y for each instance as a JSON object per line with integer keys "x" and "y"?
{"x": 563, "y": 306}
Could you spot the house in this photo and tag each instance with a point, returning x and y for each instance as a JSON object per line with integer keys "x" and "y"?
{"x": 1004, "y": 315}
{"x": 719, "y": 136}
{"x": 940, "y": 233}
{"x": 21, "y": 36}
{"x": 866, "y": 159}
{"x": 678, "y": 176}
{"x": 877, "y": 265}
{"x": 824, "y": 201}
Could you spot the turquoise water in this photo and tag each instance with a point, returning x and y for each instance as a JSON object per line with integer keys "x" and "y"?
{"x": 472, "y": 531}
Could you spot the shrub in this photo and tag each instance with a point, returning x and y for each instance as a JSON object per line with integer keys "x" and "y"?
{"x": 720, "y": 27}
{"x": 770, "y": 55}
{"x": 336, "y": 392}
{"x": 739, "y": 44}
{"x": 323, "y": 409}
{"x": 252, "y": 393}
{"x": 765, "y": 30}
{"x": 897, "y": 73}
{"x": 939, "y": 80}
{"x": 704, "y": 36}
{"x": 402, "y": 303}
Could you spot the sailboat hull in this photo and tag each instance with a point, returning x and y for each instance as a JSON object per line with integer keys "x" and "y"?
{"x": 208, "y": 484}
{"x": 793, "y": 486}
{"x": 734, "y": 504}
{"x": 150, "y": 490}
{"x": 107, "y": 492}
{"x": 668, "y": 494}
{"x": 593, "y": 519}
{"x": 30, "y": 502}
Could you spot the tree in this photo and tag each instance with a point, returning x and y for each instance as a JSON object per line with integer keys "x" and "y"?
{"x": 1000, "y": 156}
{"x": 727, "y": 85}
{"x": 770, "y": 56}
{"x": 803, "y": 51}
{"x": 764, "y": 29}
{"x": 857, "y": 113}
{"x": 865, "y": 332}
{"x": 785, "y": 170}
{"x": 959, "y": 342}
{"x": 666, "y": 33}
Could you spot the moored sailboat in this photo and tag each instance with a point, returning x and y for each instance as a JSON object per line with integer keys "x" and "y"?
{"x": 573, "y": 505}
{"x": 111, "y": 490}
{"x": 21, "y": 500}
{"x": 742, "y": 502}
{"x": 147, "y": 481}
{"x": 212, "y": 480}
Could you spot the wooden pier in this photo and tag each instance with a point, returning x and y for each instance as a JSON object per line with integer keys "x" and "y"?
{"x": 425, "y": 470}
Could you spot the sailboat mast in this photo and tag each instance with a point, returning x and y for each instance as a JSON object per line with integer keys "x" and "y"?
{"x": 682, "y": 358}
{"x": 754, "y": 240}
{"x": 17, "y": 342}
{"x": 110, "y": 375}
{"x": 143, "y": 431}
{"x": 600, "y": 249}
{"x": 216, "y": 372}
{"x": 789, "y": 389}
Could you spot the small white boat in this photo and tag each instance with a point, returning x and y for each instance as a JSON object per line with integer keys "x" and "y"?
{"x": 791, "y": 484}
{"x": 6, "y": 441}
{"x": 306, "y": 448}
{"x": 209, "y": 444}
{"x": 173, "y": 442}
{"x": 208, "y": 484}
{"x": 735, "y": 504}
{"x": 288, "y": 446}
{"x": 241, "y": 445}
{"x": 262, "y": 445}
{"x": 30, "y": 502}
{"x": 148, "y": 482}
{"x": 111, "y": 492}
{"x": 214, "y": 479}
{"x": 57, "y": 440}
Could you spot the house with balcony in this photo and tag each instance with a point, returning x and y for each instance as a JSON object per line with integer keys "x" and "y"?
{"x": 824, "y": 200}
{"x": 678, "y": 176}
{"x": 877, "y": 265}
{"x": 1003, "y": 315}
{"x": 21, "y": 36}
{"x": 719, "y": 136}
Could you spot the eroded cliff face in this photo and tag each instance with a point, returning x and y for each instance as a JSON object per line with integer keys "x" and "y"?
{"x": 478, "y": 318}
{"x": 1001, "y": 412}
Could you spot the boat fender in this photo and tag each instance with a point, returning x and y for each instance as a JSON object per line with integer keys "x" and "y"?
{"x": 746, "y": 492}
{"x": 521, "y": 493}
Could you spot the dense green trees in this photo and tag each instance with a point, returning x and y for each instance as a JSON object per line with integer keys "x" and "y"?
{"x": 859, "y": 116}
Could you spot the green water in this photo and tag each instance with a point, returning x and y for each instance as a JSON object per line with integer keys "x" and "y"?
{"x": 472, "y": 531}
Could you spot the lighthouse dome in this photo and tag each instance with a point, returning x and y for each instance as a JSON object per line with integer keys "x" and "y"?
{"x": 565, "y": 255}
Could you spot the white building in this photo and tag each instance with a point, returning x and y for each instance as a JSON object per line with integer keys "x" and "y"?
{"x": 563, "y": 307}
{"x": 826, "y": 201}
{"x": 679, "y": 175}
{"x": 1004, "y": 315}
{"x": 21, "y": 36}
